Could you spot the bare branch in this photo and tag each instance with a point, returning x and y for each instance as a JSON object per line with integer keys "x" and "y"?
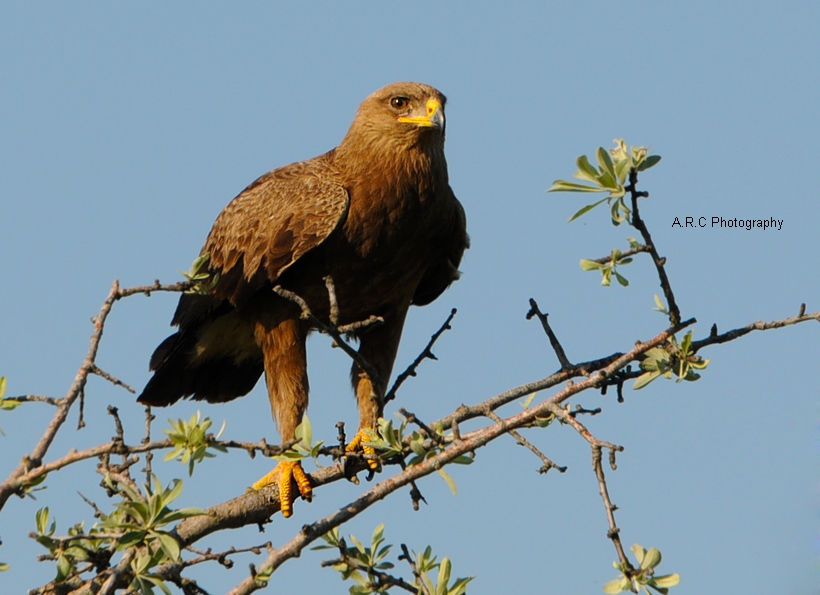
{"x": 112, "y": 379}
{"x": 548, "y": 463}
{"x": 426, "y": 353}
{"x": 556, "y": 345}
{"x": 11, "y": 485}
{"x": 715, "y": 338}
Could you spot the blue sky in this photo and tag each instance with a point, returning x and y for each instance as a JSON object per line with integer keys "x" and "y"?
{"x": 124, "y": 129}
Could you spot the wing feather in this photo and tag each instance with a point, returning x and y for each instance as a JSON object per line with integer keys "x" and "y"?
{"x": 270, "y": 226}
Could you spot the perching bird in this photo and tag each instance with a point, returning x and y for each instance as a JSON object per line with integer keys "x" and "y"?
{"x": 376, "y": 214}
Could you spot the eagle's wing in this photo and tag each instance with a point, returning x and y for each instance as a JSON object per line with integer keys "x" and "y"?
{"x": 444, "y": 271}
{"x": 269, "y": 226}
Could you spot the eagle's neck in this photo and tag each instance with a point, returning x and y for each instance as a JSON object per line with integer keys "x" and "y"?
{"x": 413, "y": 161}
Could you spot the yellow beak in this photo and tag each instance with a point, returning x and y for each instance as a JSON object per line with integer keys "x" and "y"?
{"x": 433, "y": 118}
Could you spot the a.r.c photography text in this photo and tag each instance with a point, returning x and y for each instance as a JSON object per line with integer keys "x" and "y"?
{"x": 720, "y": 222}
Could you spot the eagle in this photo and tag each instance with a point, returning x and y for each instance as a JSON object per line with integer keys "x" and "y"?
{"x": 376, "y": 215}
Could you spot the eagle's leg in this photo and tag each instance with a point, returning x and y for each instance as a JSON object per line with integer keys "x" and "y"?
{"x": 283, "y": 346}
{"x": 378, "y": 346}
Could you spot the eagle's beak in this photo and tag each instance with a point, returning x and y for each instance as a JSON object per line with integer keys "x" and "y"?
{"x": 433, "y": 118}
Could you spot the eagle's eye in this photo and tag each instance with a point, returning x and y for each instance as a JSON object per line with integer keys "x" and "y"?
{"x": 399, "y": 102}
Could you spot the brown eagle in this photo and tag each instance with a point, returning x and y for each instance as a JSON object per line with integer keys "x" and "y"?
{"x": 376, "y": 214}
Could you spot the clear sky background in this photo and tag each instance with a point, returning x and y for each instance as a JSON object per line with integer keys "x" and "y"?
{"x": 124, "y": 129}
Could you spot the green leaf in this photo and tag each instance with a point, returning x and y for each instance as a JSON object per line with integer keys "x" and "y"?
{"x": 590, "y": 265}
{"x": 357, "y": 543}
{"x": 2, "y": 386}
{"x": 586, "y": 209}
{"x": 443, "y": 577}
{"x": 565, "y": 186}
{"x": 158, "y": 582}
{"x": 651, "y": 559}
{"x": 667, "y": 580}
{"x": 644, "y": 379}
{"x": 622, "y": 170}
{"x": 621, "y": 279}
{"x": 418, "y": 448}
{"x": 264, "y": 575}
{"x": 63, "y": 569}
{"x": 130, "y": 538}
{"x": 607, "y": 167}
{"x": 169, "y": 545}
{"x": 449, "y": 481}
{"x": 4, "y": 566}
{"x": 614, "y": 587}
{"x": 649, "y": 162}
{"x": 173, "y": 494}
{"x": 586, "y": 171}
{"x": 41, "y": 522}
{"x": 462, "y": 460}
{"x": 460, "y": 586}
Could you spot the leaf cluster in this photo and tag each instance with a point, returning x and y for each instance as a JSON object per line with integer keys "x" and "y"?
{"x": 203, "y": 281}
{"x": 137, "y": 522}
{"x": 610, "y": 176}
{"x": 192, "y": 441}
{"x": 391, "y": 443}
{"x": 365, "y": 565}
{"x": 616, "y": 258}
{"x": 671, "y": 360}
{"x": 644, "y": 578}
{"x": 304, "y": 447}
{"x": 78, "y": 547}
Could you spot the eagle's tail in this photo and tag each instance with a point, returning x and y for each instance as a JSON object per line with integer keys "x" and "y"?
{"x": 187, "y": 364}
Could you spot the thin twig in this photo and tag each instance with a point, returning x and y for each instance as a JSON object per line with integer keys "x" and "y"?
{"x": 112, "y": 379}
{"x": 626, "y": 253}
{"x": 556, "y": 345}
{"x": 614, "y": 531}
{"x": 715, "y": 338}
{"x": 426, "y": 353}
{"x": 548, "y": 463}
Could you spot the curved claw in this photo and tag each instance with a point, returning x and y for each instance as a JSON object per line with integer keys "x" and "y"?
{"x": 285, "y": 474}
{"x": 358, "y": 445}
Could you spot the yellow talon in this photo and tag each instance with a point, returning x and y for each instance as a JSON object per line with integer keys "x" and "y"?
{"x": 284, "y": 475}
{"x": 357, "y": 444}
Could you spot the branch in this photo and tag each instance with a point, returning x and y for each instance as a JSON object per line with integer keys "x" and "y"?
{"x": 10, "y": 486}
{"x": 638, "y": 223}
{"x": 715, "y": 338}
{"x": 566, "y": 366}
{"x": 334, "y": 331}
{"x": 426, "y": 353}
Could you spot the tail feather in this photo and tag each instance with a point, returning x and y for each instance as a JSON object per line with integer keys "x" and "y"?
{"x": 180, "y": 368}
